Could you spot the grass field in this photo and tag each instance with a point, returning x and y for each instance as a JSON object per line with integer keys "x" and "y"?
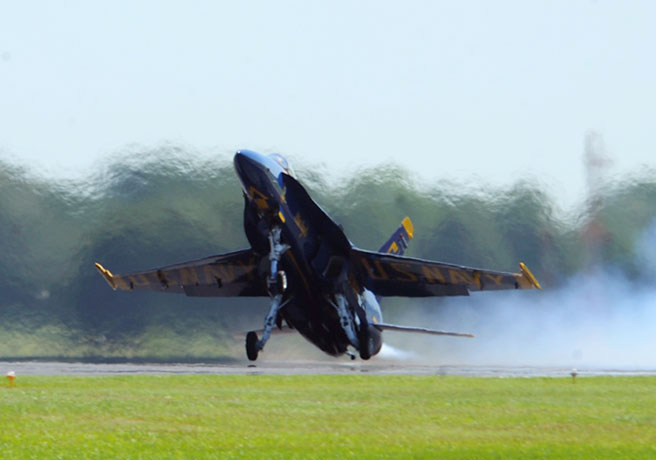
{"x": 359, "y": 416}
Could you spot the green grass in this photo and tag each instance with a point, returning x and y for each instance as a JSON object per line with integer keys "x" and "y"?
{"x": 357, "y": 416}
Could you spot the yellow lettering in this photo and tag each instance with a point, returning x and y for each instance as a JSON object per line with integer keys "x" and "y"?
{"x": 460, "y": 276}
{"x": 496, "y": 279}
{"x": 394, "y": 248}
{"x": 378, "y": 273}
{"x": 228, "y": 271}
{"x": 477, "y": 278}
{"x": 247, "y": 267}
{"x": 212, "y": 275}
{"x": 404, "y": 269}
{"x": 433, "y": 274}
{"x": 380, "y": 269}
{"x": 188, "y": 277}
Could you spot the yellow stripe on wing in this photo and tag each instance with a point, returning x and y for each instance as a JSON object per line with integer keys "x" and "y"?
{"x": 526, "y": 273}
{"x": 109, "y": 277}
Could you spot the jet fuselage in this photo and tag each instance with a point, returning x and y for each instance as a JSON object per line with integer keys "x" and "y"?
{"x": 316, "y": 264}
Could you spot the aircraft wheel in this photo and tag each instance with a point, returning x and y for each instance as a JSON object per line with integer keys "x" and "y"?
{"x": 364, "y": 338}
{"x": 251, "y": 345}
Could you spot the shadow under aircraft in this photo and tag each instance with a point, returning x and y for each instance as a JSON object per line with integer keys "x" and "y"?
{"x": 319, "y": 283}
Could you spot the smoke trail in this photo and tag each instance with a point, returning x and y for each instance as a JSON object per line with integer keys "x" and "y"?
{"x": 598, "y": 318}
{"x": 392, "y": 353}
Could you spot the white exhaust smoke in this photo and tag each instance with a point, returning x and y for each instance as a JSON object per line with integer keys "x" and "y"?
{"x": 598, "y": 318}
{"x": 388, "y": 352}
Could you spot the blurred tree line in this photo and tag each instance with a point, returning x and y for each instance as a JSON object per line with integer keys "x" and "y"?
{"x": 152, "y": 208}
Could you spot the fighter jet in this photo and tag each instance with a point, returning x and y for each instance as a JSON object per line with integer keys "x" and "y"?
{"x": 319, "y": 283}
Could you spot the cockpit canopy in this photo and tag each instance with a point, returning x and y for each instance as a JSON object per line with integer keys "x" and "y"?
{"x": 284, "y": 164}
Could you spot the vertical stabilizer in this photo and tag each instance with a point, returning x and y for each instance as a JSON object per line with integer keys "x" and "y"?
{"x": 398, "y": 242}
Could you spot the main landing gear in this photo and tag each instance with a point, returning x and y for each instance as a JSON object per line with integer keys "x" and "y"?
{"x": 355, "y": 327}
{"x": 277, "y": 285}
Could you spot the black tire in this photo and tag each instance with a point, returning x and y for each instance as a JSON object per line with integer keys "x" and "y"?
{"x": 251, "y": 346}
{"x": 364, "y": 336}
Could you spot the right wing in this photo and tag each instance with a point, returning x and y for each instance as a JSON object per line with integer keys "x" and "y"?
{"x": 392, "y": 275}
{"x": 234, "y": 274}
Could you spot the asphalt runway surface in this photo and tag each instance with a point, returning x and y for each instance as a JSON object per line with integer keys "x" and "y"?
{"x": 299, "y": 367}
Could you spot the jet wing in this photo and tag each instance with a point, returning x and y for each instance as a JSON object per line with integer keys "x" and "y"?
{"x": 234, "y": 274}
{"x": 391, "y": 275}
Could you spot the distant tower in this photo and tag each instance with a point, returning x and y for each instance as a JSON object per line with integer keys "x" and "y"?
{"x": 596, "y": 163}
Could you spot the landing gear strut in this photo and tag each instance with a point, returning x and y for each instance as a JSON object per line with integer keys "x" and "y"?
{"x": 346, "y": 320}
{"x": 355, "y": 327}
{"x": 277, "y": 285}
{"x": 253, "y": 345}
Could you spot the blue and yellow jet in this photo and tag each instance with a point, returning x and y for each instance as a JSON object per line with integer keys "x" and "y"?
{"x": 318, "y": 282}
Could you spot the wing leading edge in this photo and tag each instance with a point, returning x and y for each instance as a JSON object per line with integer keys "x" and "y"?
{"x": 233, "y": 274}
{"x": 391, "y": 275}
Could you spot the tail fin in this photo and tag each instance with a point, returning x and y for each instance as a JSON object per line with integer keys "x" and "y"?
{"x": 399, "y": 240}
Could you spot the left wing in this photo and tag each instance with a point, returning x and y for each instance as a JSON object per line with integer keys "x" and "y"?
{"x": 234, "y": 274}
{"x": 391, "y": 275}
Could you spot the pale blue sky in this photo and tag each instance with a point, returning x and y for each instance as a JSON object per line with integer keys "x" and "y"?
{"x": 458, "y": 90}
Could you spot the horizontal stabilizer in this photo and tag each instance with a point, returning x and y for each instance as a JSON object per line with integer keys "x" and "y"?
{"x": 419, "y": 330}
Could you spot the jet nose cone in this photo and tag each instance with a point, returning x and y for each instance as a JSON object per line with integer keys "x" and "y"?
{"x": 245, "y": 159}
{"x": 248, "y": 167}
{"x": 243, "y": 162}
{"x": 240, "y": 157}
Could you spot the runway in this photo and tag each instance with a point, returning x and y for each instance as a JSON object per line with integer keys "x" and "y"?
{"x": 301, "y": 367}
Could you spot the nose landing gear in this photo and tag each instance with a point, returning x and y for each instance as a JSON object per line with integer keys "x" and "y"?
{"x": 253, "y": 345}
{"x": 277, "y": 285}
